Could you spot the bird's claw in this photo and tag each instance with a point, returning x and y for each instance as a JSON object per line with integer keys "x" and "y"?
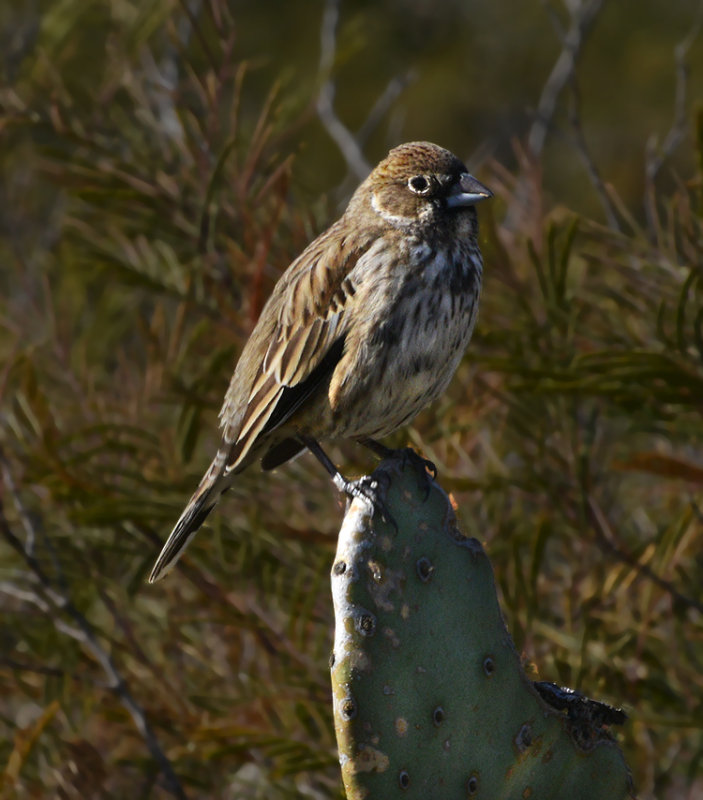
{"x": 406, "y": 455}
{"x": 366, "y": 488}
{"x": 423, "y": 466}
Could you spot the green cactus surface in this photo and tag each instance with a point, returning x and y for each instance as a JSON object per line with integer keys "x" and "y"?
{"x": 430, "y": 698}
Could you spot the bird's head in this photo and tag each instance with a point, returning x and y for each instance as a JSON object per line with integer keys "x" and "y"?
{"x": 421, "y": 184}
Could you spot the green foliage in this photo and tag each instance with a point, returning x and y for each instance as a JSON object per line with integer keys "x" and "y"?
{"x": 147, "y": 206}
{"x": 430, "y": 699}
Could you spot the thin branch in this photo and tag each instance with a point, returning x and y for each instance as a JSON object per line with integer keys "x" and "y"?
{"x": 345, "y": 140}
{"x": 24, "y": 595}
{"x": 328, "y": 37}
{"x": 190, "y": 10}
{"x": 22, "y": 513}
{"x": 557, "y": 24}
{"x": 396, "y": 86}
{"x": 607, "y": 540}
{"x": 349, "y": 144}
{"x": 84, "y": 633}
{"x": 583, "y": 15}
{"x": 53, "y": 672}
{"x": 656, "y": 158}
{"x": 585, "y": 155}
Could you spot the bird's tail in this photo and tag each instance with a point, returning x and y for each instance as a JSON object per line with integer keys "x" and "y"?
{"x": 193, "y": 516}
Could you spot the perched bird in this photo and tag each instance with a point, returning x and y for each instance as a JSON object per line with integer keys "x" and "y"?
{"x": 363, "y": 330}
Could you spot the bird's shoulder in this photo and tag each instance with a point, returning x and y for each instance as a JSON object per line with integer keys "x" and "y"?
{"x": 322, "y": 279}
{"x": 300, "y": 322}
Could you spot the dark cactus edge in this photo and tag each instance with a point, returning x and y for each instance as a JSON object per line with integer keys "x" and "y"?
{"x": 430, "y": 698}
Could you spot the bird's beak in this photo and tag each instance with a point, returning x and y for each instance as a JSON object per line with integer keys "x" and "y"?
{"x": 467, "y": 191}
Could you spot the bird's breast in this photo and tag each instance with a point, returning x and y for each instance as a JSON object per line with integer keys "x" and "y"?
{"x": 407, "y": 340}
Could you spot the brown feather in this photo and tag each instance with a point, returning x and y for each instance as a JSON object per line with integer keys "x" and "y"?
{"x": 363, "y": 329}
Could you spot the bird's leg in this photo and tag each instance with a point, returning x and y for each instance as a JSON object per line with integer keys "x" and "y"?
{"x": 407, "y": 454}
{"x": 365, "y": 487}
{"x": 377, "y": 447}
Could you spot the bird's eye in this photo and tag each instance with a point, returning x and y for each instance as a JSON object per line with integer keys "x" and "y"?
{"x": 419, "y": 184}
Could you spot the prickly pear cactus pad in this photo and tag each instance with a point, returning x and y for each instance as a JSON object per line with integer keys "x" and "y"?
{"x": 430, "y": 700}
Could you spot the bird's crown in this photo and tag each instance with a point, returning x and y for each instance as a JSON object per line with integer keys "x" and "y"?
{"x": 418, "y": 157}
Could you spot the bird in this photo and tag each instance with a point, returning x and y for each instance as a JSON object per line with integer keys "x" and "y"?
{"x": 361, "y": 332}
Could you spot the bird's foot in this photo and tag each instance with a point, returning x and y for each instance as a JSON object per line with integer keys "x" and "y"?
{"x": 407, "y": 456}
{"x": 426, "y": 469}
{"x": 368, "y": 490}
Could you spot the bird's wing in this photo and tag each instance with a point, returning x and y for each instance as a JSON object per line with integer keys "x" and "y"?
{"x": 305, "y": 323}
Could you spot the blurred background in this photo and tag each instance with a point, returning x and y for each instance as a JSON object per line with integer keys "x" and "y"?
{"x": 162, "y": 163}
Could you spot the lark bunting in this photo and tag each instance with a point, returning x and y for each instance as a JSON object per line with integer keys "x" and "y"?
{"x": 362, "y": 331}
